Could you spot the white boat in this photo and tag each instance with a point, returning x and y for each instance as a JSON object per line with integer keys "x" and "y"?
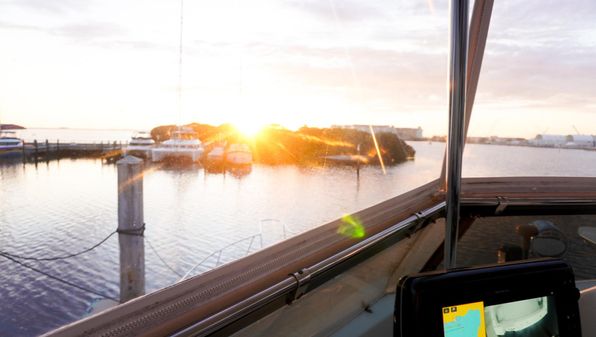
{"x": 215, "y": 159}
{"x": 216, "y": 155}
{"x": 184, "y": 145}
{"x": 238, "y": 155}
{"x": 140, "y": 145}
{"x": 10, "y": 145}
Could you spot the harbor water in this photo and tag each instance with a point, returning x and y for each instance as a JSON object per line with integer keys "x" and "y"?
{"x": 58, "y": 207}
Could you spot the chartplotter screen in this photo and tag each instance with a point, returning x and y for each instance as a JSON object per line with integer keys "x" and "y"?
{"x": 464, "y": 320}
{"x": 535, "y": 317}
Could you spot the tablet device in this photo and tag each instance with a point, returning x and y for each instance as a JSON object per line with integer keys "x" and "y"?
{"x": 522, "y": 299}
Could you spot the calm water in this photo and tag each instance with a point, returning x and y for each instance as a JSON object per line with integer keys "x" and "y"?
{"x": 64, "y": 206}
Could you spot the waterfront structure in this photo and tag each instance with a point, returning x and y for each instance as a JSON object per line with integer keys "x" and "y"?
{"x": 410, "y": 133}
{"x": 574, "y": 141}
{"x": 402, "y": 133}
{"x": 581, "y": 141}
{"x": 548, "y": 140}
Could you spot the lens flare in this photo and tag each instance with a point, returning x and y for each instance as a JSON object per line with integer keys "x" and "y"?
{"x": 351, "y": 227}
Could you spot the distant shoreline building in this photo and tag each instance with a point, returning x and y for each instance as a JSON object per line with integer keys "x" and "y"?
{"x": 579, "y": 141}
{"x": 402, "y": 133}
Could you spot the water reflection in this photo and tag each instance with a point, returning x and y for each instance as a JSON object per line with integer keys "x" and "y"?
{"x": 60, "y": 207}
{"x": 65, "y": 206}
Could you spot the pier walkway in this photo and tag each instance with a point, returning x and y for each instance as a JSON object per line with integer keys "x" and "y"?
{"x": 45, "y": 150}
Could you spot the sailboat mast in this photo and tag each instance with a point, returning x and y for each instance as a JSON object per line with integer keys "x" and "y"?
{"x": 180, "y": 63}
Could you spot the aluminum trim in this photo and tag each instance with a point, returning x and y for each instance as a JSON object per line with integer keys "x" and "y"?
{"x": 455, "y": 146}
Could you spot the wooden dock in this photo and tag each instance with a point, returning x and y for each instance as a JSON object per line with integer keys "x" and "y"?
{"x": 45, "y": 151}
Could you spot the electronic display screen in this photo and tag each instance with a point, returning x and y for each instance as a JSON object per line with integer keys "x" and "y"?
{"x": 535, "y": 317}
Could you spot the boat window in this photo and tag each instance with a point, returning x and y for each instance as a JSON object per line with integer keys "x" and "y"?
{"x": 341, "y": 105}
{"x": 511, "y": 238}
{"x": 535, "y": 110}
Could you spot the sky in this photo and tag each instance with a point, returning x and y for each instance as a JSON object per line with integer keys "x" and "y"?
{"x": 114, "y": 64}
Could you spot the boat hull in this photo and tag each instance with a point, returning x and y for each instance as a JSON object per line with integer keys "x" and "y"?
{"x": 11, "y": 152}
{"x": 239, "y": 159}
{"x": 139, "y": 151}
{"x": 238, "y": 155}
{"x": 176, "y": 154}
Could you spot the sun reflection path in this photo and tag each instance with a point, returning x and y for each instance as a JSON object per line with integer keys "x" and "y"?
{"x": 351, "y": 227}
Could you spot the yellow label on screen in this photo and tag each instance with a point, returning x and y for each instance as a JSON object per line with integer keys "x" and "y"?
{"x": 464, "y": 320}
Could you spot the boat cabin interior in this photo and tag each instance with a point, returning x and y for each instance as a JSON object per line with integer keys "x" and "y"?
{"x": 494, "y": 256}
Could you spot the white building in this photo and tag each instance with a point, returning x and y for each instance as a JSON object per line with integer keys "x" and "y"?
{"x": 409, "y": 133}
{"x": 581, "y": 141}
{"x": 549, "y": 140}
{"x": 403, "y": 133}
{"x": 564, "y": 141}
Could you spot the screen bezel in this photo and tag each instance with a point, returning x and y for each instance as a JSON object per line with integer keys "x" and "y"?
{"x": 421, "y": 298}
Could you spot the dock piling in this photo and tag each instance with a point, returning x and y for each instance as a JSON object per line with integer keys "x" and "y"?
{"x": 47, "y": 150}
{"x": 36, "y": 150}
{"x": 131, "y": 227}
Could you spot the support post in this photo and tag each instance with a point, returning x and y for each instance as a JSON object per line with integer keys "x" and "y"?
{"x": 455, "y": 141}
{"x": 36, "y": 149}
{"x": 47, "y": 150}
{"x": 130, "y": 228}
{"x": 24, "y": 153}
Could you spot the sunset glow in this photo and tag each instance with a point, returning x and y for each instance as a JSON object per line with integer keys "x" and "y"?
{"x": 314, "y": 63}
{"x": 248, "y": 129}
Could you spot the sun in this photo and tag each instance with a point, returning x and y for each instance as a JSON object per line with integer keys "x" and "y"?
{"x": 249, "y": 129}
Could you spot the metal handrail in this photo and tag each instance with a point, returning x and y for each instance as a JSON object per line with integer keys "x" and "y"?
{"x": 311, "y": 276}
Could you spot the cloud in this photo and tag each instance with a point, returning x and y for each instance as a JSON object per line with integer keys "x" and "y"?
{"x": 16, "y": 26}
{"x": 57, "y": 7}
{"x": 540, "y": 53}
{"x": 346, "y": 10}
{"x": 88, "y": 30}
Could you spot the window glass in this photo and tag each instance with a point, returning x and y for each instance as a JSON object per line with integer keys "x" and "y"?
{"x": 490, "y": 240}
{"x": 281, "y": 116}
{"x": 535, "y": 108}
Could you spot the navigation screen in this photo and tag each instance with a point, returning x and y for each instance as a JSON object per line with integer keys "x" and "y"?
{"x": 464, "y": 320}
{"x": 535, "y": 317}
